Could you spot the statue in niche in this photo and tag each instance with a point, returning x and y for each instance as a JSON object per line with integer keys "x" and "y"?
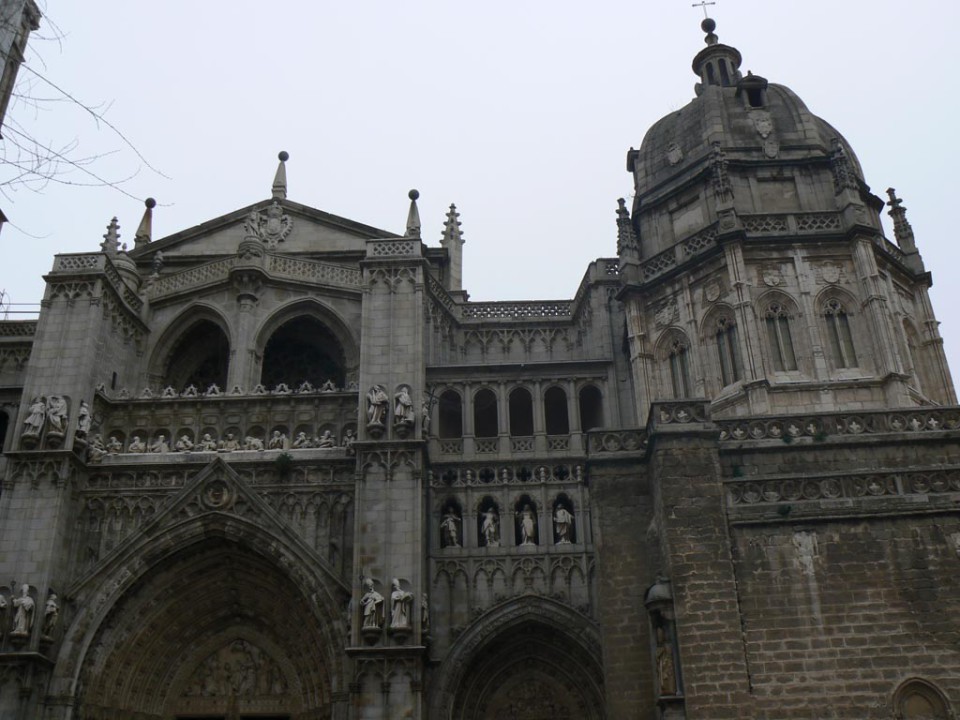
{"x": 51, "y": 614}
{"x": 490, "y": 527}
{"x": 23, "y": 617}
{"x": 425, "y": 418}
{"x": 666, "y": 672}
{"x": 278, "y": 441}
{"x": 528, "y": 526}
{"x": 207, "y": 444}
{"x": 36, "y": 418}
{"x": 403, "y": 409}
{"x": 371, "y": 607}
{"x": 377, "y": 405}
{"x": 450, "y": 529}
{"x": 96, "y": 450}
{"x": 114, "y": 446}
{"x": 228, "y": 444}
{"x": 301, "y": 441}
{"x": 327, "y": 440}
{"x": 562, "y": 524}
{"x": 424, "y": 615}
{"x": 137, "y": 445}
{"x": 160, "y": 445}
{"x": 348, "y": 439}
{"x": 184, "y": 444}
{"x": 400, "y": 604}
{"x": 84, "y": 420}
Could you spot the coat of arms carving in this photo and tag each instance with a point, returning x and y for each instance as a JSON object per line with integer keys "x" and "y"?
{"x": 763, "y": 123}
{"x": 270, "y": 226}
{"x": 674, "y": 153}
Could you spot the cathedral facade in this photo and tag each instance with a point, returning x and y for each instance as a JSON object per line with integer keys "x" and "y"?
{"x": 278, "y": 465}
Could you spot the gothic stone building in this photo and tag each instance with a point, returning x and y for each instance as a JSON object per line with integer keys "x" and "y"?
{"x": 279, "y": 466}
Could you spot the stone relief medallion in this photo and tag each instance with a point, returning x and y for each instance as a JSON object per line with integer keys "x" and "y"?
{"x": 771, "y": 148}
{"x": 216, "y": 495}
{"x": 711, "y": 292}
{"x": 771, "y": 276}
{"x": 830, "y": 273}
{"x": 674, "y": 153}
{"x": 667, "y": 313}
{"x": 762, "y": 123}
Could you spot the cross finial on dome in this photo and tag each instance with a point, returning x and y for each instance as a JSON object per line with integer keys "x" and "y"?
{"x": 280, "y": 179}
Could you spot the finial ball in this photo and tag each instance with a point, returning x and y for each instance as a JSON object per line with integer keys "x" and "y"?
{"x": 708, "y": 25}
{"x": 150, "y": 203}
{"x": 413, "y": 194}
{"x": 284, "y": 156}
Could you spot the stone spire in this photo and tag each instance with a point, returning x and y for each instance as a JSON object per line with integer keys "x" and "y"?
{"x": 145, "y": 230}
{"x": 280, "y": 179}
{"x": 413, "y": 217}
{"x": 111, "y": 239}
{"x": 452, "y": 240}
{"x": 626, "y": 236}
{"x": 902, "y": 230}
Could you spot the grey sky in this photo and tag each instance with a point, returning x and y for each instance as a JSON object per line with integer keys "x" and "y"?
{"x": 519, "y": 112}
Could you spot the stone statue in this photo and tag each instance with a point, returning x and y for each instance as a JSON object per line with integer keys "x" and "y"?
{"x": 666, "y": 672}
{"x": 36, "y": 417}
{"x": 371, "y": 606}
{"x": 114, "y": 445}
{"x": 424, "y": 615}
{"x": 376, "y": 405}
{"x": 327, "y": 440}
{"x": 207, "y": 443}
{"x": 160, "y": 445}
{"x": 528, "y": 526}
{"x": 252, "y": 443}
{"x": 278, "y": 441}
{"x": 490, "y": 528}
{"x": 51, "y": 614}
{"x": 403, "y": 410}
{"x": 96, "y": 450}
{"x": 23, "y": 617}
{"x": 400, "y": 603}
{"x": 83, "y": 420}
{"x": 57, "y": 414}
{"x": 348, "y": 439}
{"x": 301, "y": 441}
{"x": 562, "y": 524}
{"x": 425, "y": 418}
{"x": 184, "y": 444}
{"x": 228, "y": 444}
{"x": 450, "y": 529}
{"x": 137, "y": 445}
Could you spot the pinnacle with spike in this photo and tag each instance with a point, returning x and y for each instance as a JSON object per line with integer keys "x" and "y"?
{"x": 451, "y": 228}
{"x": 413, "y": 217}
{"x": 902, "y": 229}
{"x": 280, "y": 179}
{"x": 111, "y": 239}
{"x": 145, "y": 230}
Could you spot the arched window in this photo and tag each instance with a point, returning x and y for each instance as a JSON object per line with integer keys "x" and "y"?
{"x": 450, "y": 414}
{"x": 485, "y": 414}
{"x": 920, "y": 700}
{"x": 303, "y": 349}
{"x": 779, "y": 337}
{"x": 591, "y": 408}
{"x": 521, "y": 413}
{"x": 838, "y": 334}
{"x": 555, "y": 411}
{"x": 728, "y": 351}
{"x": 199, "y": 358}
{"x": 678, "y": 362}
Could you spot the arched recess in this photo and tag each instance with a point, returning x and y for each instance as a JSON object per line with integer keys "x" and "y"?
{"x": 194, "y": 349}
{"x": 168, "y": 605}
{"x": 723, "y": 356}
{"x": 532, "y": 656}
{"x": 485, "y": 414}
{"x": 784, "y": 347}
{"x": 675, "y": 359}
{"x": 845, "y": 338}
{"x": 305, "y": 340}
{"x": 591, "y": 408}
{"x": 450, "y": 414}
{"x": 918, "y": 699}
{"x": 555, "y": 411}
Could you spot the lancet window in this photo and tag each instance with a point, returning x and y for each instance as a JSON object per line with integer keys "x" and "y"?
{"x": 838, "y": 334}
{"x": 728, "y": 351}
{"x": 678, "y": 361}
{"x": 780, "y": 337}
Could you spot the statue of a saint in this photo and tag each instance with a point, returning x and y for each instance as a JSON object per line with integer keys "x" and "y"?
{"x": 96, "y": 450}
{"x": 114, "y": 445}
{"x": 207, "y": 444}
{"x": 377, "y": 405}
{"x": 51, "y": 614}
{"x": 301, "y": 441}
{"x": 278, "y": 441}
{"x": 666, "y": 672}
{"x": 23, "y": 617}
{"x": 425, "y": 418}
{"x": 184, "y": 444}
{"x": 137, "y": 445}
{"x": 160, "y": 445}
{"x": 450, "y": 529}
{"x": 371, "y": 606}
{"x": 403, "y": 410}
{"x": 400, "y": 602}
{"x": 528, "y": 526}
{"x": 562, "y": 524}
{"x": 424, "y": 615}
{"x": 490, "y": 528}
{"x": 83, "y": 420}
{"x": 327, "y": 440}
{"x": 35, "y": 418}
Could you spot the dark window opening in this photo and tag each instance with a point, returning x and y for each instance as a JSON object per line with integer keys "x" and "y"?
{"x": 711, "y": 76}
{"x": 4, "y": 424}
{"x": 113, "y": 382}
{"x": 755, "y": 97}
{"x": 555, "y": 409}
{"x": 450, "y": 412}
{"x": 485, "y": 414}
{"x": 840, "y": 337}
{"x": 521, "y": 413}
{"x": 302, "y": 350}
{"x": 780, "y": 338}
{"x": 724, "y": 75}
{"x": 679, "y": 370}
{"x": 728, "y": 351}
{"x": 591, "y": 408}
{"x": 200, "y": 358}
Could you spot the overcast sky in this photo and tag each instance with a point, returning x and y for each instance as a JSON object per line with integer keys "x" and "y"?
{"x": 519, "y": 112}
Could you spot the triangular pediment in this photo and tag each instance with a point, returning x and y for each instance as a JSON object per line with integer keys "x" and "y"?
{"x": 300, "y": 229}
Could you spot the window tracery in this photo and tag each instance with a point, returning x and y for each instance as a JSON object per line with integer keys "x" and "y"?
{"x": 780, "y": 337}
{"x": 839, "y": 335}
{"x": 728, "y": 352}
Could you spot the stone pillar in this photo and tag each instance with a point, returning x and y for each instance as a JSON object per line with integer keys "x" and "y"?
{"x": 750, "y": 335}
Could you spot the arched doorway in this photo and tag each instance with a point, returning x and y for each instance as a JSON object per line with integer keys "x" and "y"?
{"x": 215, "y": 630}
